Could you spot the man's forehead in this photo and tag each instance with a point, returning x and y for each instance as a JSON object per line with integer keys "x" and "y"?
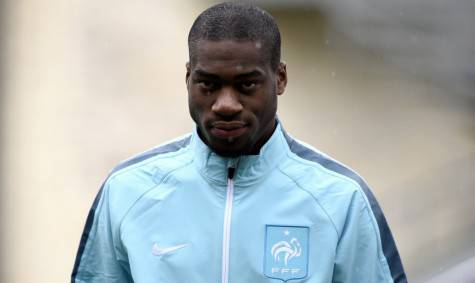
{"x": 237, "y": 54}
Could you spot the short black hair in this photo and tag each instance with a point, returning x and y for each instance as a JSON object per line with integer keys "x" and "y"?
{"x": 239, "y": 22}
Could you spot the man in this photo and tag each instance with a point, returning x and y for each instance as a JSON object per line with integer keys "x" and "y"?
{"x": 238, "y": 200}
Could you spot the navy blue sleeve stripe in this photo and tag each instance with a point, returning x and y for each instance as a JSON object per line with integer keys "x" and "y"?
{"x": 389, "y": 247}
{"x": 171, "y": 147}
{"x": 85, "y": 234}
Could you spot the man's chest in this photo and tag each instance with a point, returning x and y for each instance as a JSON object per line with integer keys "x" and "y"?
{"x": 271, "y": 235}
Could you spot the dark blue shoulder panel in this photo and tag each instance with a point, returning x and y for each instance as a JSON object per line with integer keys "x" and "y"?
{"x": 171, "y": 147}
{"x": 387, "y": 241}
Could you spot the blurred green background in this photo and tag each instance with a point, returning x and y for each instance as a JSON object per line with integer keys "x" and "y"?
{"x": 386, "y": 87}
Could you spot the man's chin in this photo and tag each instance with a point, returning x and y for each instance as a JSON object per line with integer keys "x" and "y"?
{"x": 230, "y": 149}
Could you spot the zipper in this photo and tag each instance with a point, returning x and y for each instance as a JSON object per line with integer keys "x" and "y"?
{"x": 227, "y": 224}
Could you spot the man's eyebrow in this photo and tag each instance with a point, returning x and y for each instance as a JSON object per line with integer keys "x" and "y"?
{"x": 202, "y": 73}
{"x": 255, "y": 73}
{"x": 251, "y": 74}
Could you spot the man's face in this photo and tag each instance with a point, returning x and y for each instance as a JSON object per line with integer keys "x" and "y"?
{"x": 232, "y": 95}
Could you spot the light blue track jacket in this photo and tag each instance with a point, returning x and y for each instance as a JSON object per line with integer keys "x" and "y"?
{"x": 182, "y": 214}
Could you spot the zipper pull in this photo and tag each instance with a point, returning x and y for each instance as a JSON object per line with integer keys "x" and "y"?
{"x": 232, "y": 165}
{"x": 231, "y": 171}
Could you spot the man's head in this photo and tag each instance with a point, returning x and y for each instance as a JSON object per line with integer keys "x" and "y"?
{"x": 234, "y": 76}
{"x": 238, "y": 22}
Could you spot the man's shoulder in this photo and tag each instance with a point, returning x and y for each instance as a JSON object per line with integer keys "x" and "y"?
{"x": 333, "y": 185}
{"x": 164, "y": 150}
{"x": 149, "y": 167}
{"x": 135, "y": 177}
{"x": 313, "y": 167}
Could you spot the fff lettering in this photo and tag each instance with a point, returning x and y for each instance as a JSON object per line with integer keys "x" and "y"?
{"x": 278, "y": 270}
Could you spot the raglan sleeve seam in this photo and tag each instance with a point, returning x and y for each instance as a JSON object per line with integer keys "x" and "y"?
{"x": 315, "y": 199}
{"x": 122, "y": 219}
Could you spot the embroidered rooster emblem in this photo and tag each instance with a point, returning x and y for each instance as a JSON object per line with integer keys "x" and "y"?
{"x": 286, "y": 250}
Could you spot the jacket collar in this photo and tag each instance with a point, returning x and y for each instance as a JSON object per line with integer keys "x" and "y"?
{"x": 249, "y": 168}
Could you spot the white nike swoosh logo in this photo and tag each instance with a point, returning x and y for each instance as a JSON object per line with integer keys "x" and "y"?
{"x": 159, "y": 251}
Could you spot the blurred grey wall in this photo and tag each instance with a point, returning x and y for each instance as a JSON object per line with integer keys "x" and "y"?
{"x": 431, "y": 39}
{"x": 91, "y": 83}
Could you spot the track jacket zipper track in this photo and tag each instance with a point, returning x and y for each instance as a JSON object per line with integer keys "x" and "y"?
{"x": 227, "y": 224}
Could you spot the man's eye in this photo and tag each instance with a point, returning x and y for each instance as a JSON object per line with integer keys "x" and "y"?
{"x": 206, "y": 84}
{"x": 248, "y": 85}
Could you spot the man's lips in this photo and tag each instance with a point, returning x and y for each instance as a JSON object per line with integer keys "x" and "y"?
{"x": 226, "y": 130}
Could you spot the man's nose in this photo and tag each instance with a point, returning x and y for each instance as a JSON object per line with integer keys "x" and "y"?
{"x": 227, "y": 103}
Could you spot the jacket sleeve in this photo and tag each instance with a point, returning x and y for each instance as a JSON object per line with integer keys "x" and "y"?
{"x": 359, "y": 255}
{"x": 99, "y": 257}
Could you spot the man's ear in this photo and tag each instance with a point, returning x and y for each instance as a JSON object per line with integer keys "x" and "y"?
{"x": 281, "y": 74}
{"x": 188, "y": 70}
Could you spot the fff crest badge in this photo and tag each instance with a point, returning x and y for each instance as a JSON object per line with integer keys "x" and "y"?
{"x": 286, "y": 252}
